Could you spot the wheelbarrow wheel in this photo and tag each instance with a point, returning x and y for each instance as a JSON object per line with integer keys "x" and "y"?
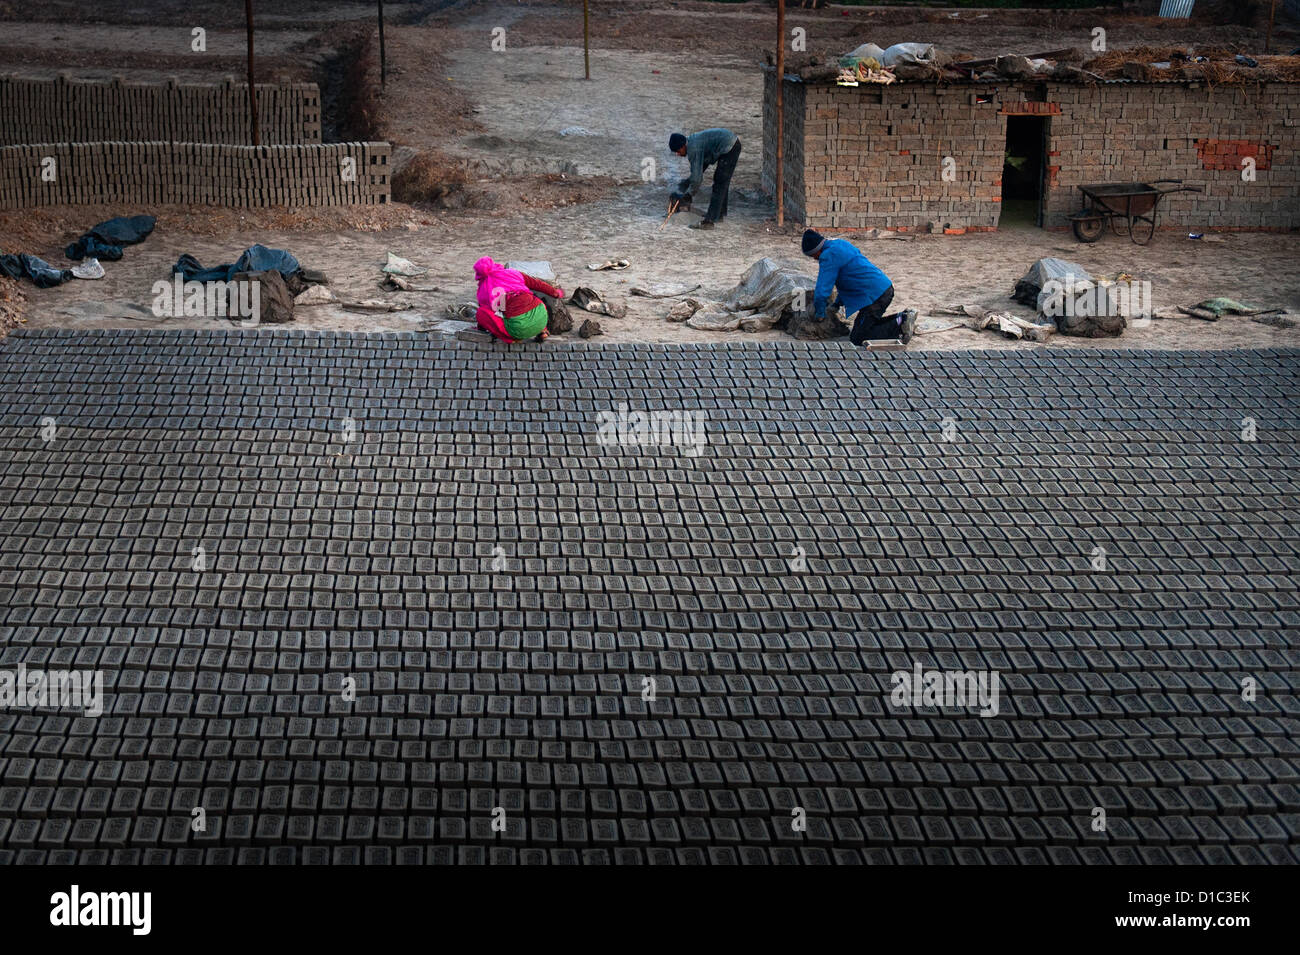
{"x": 1141, "y": 230}
{"x": 1088, "y": 226}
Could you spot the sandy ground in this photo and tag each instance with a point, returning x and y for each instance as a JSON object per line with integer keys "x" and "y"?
{"x": 537, "y": 105}
{"x": 747, "y": 29}
{"x": 929, "y": 272}
{"x": 517, "y": 104}
{"x": 73, "y": 38}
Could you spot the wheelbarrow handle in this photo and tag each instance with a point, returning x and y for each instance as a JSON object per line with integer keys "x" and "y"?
{"x": 1178, "y": 183}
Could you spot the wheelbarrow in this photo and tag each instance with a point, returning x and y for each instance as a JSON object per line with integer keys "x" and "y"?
{"x": 1131, "y": 208}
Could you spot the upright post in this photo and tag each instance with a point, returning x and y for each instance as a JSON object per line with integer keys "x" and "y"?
{"x": 383, "y": 59}
{"x": 252, "y": 87}
{"x": 780, "y": 112}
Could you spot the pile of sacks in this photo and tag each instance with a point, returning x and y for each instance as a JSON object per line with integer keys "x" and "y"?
{"x": 1079, "y": 304}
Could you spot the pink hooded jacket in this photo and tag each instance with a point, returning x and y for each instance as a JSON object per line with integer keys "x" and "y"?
{"x": 495, "y": 282}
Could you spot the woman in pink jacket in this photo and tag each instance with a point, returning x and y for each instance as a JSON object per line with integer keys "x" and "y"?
{"x": 507, "y": 306}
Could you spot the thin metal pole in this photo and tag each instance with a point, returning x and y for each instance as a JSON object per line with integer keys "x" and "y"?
{"x": 383, "y": 59}
{"x": 252, "y": 88}
{"x": 586, "y": 37}
{"x": 780, "y": 113}
{"x": 1272, "y": 15}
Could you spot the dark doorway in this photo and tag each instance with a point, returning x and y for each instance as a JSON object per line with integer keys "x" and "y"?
{"x": 1023, "y": 171}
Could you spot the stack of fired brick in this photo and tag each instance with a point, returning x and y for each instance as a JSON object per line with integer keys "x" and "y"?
{"x": 63, "y": 111}
{"x": 152, "y": 173}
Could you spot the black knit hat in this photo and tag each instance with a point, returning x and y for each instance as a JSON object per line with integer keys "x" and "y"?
{"x": 812, "y": 242}
{"x": 675, "y": 142}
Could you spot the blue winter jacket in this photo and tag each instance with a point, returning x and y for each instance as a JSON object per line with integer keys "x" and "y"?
{"x": 842, "y": 266}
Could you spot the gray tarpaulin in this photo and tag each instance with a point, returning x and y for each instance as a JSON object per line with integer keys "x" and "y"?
{"x": 1029, "y": 290}
{"x": 1065, "y": 293}
{"x": 769, "y": 291}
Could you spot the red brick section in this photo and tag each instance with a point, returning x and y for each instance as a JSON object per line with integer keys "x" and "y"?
{"x": 1228, "y": 153}
{"x": 1030, "y": 109}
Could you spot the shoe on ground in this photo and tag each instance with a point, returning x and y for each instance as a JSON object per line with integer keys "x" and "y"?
{"x": 705, "y": 224}
{"x": 907, "y": 328}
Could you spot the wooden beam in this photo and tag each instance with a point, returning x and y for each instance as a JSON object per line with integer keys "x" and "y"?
{"x": 252, "y": 87}
{"x": 383, "y": 57}
{"x": 780, "y": 113}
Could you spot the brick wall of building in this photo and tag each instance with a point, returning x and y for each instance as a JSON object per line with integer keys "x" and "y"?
{"x": 793, "y": 159}
{"x": 876, "y": 156}
{"x": 147, "y": 174}
{"x": 1139, "y": 132}
{"x": 900, "y": 156}
{"x": 86, "y": 111}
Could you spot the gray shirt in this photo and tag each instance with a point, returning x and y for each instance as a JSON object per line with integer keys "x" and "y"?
{"x": 703, "y": 149}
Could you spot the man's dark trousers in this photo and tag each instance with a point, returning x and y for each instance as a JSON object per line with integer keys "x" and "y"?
{"x": 722, "y": 183}
{"x": 871, "y": 322}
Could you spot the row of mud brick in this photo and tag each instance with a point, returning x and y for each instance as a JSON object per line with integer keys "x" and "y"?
{"x": 337, "y": 174}
{"x": 85, "y": 111}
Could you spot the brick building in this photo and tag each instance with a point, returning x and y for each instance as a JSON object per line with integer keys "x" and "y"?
{"x": 962, "y": 156}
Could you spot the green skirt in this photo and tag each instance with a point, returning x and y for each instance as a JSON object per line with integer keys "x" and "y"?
{"x": 528, "y": 325}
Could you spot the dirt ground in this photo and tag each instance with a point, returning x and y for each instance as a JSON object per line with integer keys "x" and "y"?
{"x": 555, "y": 172}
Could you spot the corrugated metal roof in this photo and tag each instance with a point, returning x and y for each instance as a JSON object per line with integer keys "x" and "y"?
{"x": 1180, "y": 9}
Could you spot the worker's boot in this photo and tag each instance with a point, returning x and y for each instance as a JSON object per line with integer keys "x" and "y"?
{"x": 907, "y": 327}
{"x": 702, "y": 224}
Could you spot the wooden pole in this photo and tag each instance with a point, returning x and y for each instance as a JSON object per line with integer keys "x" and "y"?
{"x": 383, "y": 59}
{"x": 586, "y": 37}
{"x": 1272, "y": 15}
{"x": 780, "y": 113}
{"x": 252, "y": 88}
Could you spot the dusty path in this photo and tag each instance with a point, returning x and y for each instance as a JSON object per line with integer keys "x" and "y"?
{"x": 534, "y": 103}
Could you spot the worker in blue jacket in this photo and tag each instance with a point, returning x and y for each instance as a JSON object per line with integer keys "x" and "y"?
{"x": 864, "y": 290}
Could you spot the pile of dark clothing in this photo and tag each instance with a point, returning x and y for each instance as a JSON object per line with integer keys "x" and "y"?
{"x": 42, "y": 274}
{"x": 105, "y": 241}
{"x": 277, "y": 272}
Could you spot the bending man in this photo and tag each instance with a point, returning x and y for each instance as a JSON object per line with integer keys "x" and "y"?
{"x": 704, "y": 149}
{"x": 864, "y": 290}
